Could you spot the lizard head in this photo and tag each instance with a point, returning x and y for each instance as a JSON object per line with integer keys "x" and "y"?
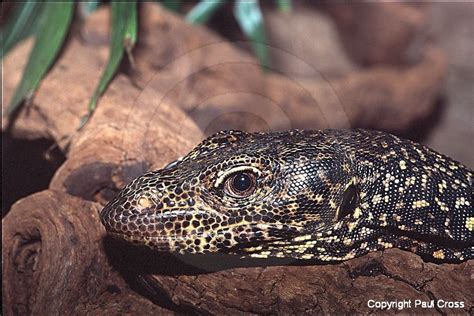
{"x": 233, "y": 193}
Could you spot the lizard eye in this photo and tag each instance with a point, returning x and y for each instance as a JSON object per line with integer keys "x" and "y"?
{"x": 240, "y": 184}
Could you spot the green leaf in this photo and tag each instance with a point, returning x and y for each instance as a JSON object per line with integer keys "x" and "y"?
{"x": 20, "y": 25}
{"x": 87, "y": 7}
{"x": 284, "y": 5}
{"x": 53, "y": 24}
{"x": 203, "y": 11}
{"x": 172, "y": 5}
{"x": 249, "y": 17}
{"x": 130, "y": 38}
{"x": 124, "y": 36}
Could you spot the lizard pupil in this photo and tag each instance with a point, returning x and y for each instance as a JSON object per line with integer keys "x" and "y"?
{"x": 241, "y": 182}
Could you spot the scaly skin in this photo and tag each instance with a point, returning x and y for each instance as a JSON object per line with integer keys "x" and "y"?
{"x": 328, "y": 195}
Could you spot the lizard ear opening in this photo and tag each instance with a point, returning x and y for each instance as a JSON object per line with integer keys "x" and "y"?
{"x": 350, "y": 198}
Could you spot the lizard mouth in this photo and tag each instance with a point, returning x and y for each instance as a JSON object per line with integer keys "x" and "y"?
{"x": 202, "y": 237}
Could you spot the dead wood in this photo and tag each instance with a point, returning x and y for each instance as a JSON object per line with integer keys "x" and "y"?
{"x": 54, "y": 261}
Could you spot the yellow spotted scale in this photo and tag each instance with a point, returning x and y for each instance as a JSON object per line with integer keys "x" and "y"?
{"x": 327, "y": 195}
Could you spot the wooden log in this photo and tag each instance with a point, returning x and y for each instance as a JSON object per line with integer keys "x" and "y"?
{"x": 54, "y": 261}
{"x": 219, "y": 85}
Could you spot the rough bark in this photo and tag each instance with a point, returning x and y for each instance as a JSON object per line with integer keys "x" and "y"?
{"x": 219, "y": 86}
{"x": 127, "y": 136}
{"x": 54, "y": 261}
{"x": 364, "y": 27}
{"x": 339, "y": 289}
